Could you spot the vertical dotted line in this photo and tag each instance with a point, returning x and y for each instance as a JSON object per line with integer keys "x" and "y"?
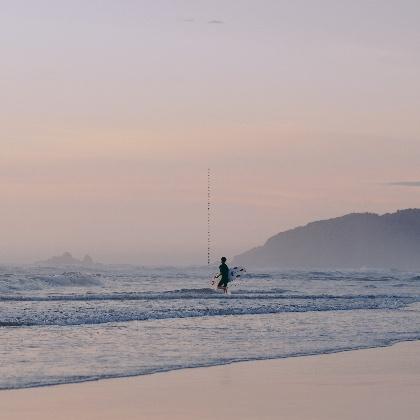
{"x": 208, "y": 216}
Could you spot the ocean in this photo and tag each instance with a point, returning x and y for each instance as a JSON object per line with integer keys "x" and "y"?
{"x": 62, "y": 326}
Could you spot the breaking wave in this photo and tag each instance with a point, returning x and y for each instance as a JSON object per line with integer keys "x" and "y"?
{"x": 98, "y": 309}
{"x": 10, "y": 283}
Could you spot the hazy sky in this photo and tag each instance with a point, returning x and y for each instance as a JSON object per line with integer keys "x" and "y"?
{"x": 111, "y": 112}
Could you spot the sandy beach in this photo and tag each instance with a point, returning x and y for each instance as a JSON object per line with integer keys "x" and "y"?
{"x": 380, "y": 383}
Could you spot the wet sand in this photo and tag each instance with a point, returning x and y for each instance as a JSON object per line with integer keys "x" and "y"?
{"x": 381, "y": 383}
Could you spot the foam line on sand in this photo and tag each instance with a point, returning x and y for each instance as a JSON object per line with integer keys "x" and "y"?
{"x": 381, "y": 383}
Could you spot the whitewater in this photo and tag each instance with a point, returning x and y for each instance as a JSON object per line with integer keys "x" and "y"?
{"x": 61, "y": 326}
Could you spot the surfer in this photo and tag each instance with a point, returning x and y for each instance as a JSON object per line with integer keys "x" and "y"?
{"x": 224, "y": 273}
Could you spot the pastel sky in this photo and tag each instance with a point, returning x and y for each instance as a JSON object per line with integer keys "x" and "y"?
{"x": 112, "y": 111}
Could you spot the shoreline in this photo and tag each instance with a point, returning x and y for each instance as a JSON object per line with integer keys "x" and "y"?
{"x": 187, "y": 368}
{"x": 379, "y": 382}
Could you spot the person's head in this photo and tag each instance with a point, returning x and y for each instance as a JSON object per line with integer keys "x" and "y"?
{"x": 223, "y": 259}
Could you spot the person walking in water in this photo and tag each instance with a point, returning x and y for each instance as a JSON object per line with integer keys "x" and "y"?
{"x": 224, "y": 273}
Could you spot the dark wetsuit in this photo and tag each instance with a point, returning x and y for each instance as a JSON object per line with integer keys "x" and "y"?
{"x": 224, "y": 272}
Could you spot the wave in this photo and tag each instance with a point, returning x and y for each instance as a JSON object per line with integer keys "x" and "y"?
{"x": 257, "y": 276}
{"x": 68, "y": 279}
{"x": 58, "y": 314}
{"x": 44, "y": 281}
{"x": 192, "y": 294}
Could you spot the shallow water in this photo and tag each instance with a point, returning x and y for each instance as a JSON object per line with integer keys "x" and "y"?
{"x": 60, "y": 326}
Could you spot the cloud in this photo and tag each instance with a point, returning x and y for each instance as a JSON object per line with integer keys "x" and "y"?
{"x": 210, "y": 22}
{"x": 404, "y": 184}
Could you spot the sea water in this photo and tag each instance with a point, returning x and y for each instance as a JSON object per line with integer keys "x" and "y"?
{"x": 59, "y": 325}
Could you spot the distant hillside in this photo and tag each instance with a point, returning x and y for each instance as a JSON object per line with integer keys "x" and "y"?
{"x": 353, "y": 241}
{"x": 68, "y": 259}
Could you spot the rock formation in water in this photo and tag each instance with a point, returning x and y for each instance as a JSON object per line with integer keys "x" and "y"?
{"x": 68, "y": 259}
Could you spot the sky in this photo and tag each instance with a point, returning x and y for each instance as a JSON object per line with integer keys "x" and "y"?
{"x": 111, "y": 113}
